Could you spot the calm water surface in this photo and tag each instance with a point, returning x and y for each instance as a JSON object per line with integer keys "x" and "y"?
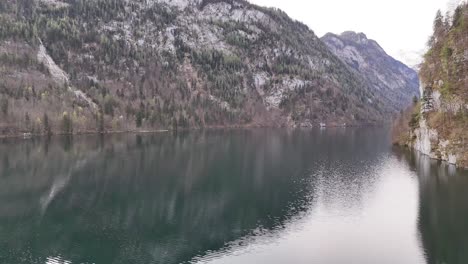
{"x": 242, "y": 196}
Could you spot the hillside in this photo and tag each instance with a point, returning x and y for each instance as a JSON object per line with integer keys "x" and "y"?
{"x": 393, "y": 81}
{"x": 108, "y": 65}
{"x": 439, "y": 124}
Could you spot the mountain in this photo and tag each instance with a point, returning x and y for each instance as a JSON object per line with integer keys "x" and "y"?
{"x": 393, "y": 81}
{"x": 439, "y": 123}
{"x": 113, "y": 65}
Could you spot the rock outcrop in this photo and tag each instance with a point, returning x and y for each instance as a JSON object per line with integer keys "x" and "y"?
{"x": 441, "y": 130}
{"x": 393, "y": 81}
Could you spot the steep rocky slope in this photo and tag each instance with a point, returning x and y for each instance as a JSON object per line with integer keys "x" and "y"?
{"x": 439, "y": 125}
{"x": 102, "y": 65}
{"x": 393, "y": 81}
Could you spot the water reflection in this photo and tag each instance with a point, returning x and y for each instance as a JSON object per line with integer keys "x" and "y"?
{"x": 443, "y": 210}
{"x": 363, "y": 209}
{"x": 163, "y": 198}
{"x": 203, "y": 196}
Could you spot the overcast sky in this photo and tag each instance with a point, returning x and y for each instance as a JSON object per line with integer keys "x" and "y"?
{"x": 401, "y": 27}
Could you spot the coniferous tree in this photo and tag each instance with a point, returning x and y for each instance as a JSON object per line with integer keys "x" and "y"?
{"x": 439, "y": 28}
{"x": 67, "y": 124}
{"x": 27, "y": 121}
{"x": 4, "y": 105}
{"x": 47, "y": 128}
{"x": 101, "y": 127}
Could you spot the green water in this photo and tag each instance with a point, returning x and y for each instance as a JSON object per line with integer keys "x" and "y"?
{"x": 238, "y": 196}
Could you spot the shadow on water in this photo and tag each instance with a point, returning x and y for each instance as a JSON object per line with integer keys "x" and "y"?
{"x": 443, "y": 209}
{"x": 161, "y": 198}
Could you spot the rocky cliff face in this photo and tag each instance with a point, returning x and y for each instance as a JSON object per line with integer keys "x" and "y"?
{"x": 441, "y": 130}
{"x": 393, "y": 81}
{"x": 77, "y": 65}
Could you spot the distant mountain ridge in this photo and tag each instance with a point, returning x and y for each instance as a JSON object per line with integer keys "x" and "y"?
{"x": 392, "y": 80}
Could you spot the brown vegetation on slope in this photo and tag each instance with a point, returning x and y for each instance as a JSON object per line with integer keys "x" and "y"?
{"x": 150, "y": 65}
{"x": 444, "y": 77}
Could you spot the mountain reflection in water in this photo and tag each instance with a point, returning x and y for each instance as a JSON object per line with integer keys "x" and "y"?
{"x": 225, "y": 196}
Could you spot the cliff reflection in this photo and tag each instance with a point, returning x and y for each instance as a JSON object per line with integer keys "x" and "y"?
{"x": 443, "y": 210}
{"x": 162, "y": 198}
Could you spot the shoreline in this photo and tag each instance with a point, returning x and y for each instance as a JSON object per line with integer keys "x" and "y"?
{"x": 26, "y": 135}
{"x": 446, "y": 162}
{"x": 82, "y": 133}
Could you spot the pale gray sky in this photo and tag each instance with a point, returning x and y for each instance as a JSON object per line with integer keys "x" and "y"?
{"x": 401, "y": 27}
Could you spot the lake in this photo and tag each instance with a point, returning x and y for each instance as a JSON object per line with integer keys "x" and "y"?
{"x": 340, "y": 195}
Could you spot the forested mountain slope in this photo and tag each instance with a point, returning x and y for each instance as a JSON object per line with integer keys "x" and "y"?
{"x": 107, "y": 65}
{"x": 439, "y": 124}
{"x": 394, "y": 82}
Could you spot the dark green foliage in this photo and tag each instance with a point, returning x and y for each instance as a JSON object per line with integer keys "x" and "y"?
{"x": 214, "y": 60}
{"x": 447, "y": 52}
{"x": 414, "y": 121}
{"x": 458, "y": 17}
{"x": 235, "y": 39}
{"x": 100, "y": 119}
{"x": 442, "y": 61}
{"x": 139, "y": 119}
{"x": 104, "y": 9}
{"x": 47, "y": 127}
{"x": 140, "y": 115}
{"x": 109, "y": 105}
{"x": 27, "y": 122}
{"x": 4, "y": 105}
{"x": 67, "y": 124}
{"x": 207, "y": 2}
